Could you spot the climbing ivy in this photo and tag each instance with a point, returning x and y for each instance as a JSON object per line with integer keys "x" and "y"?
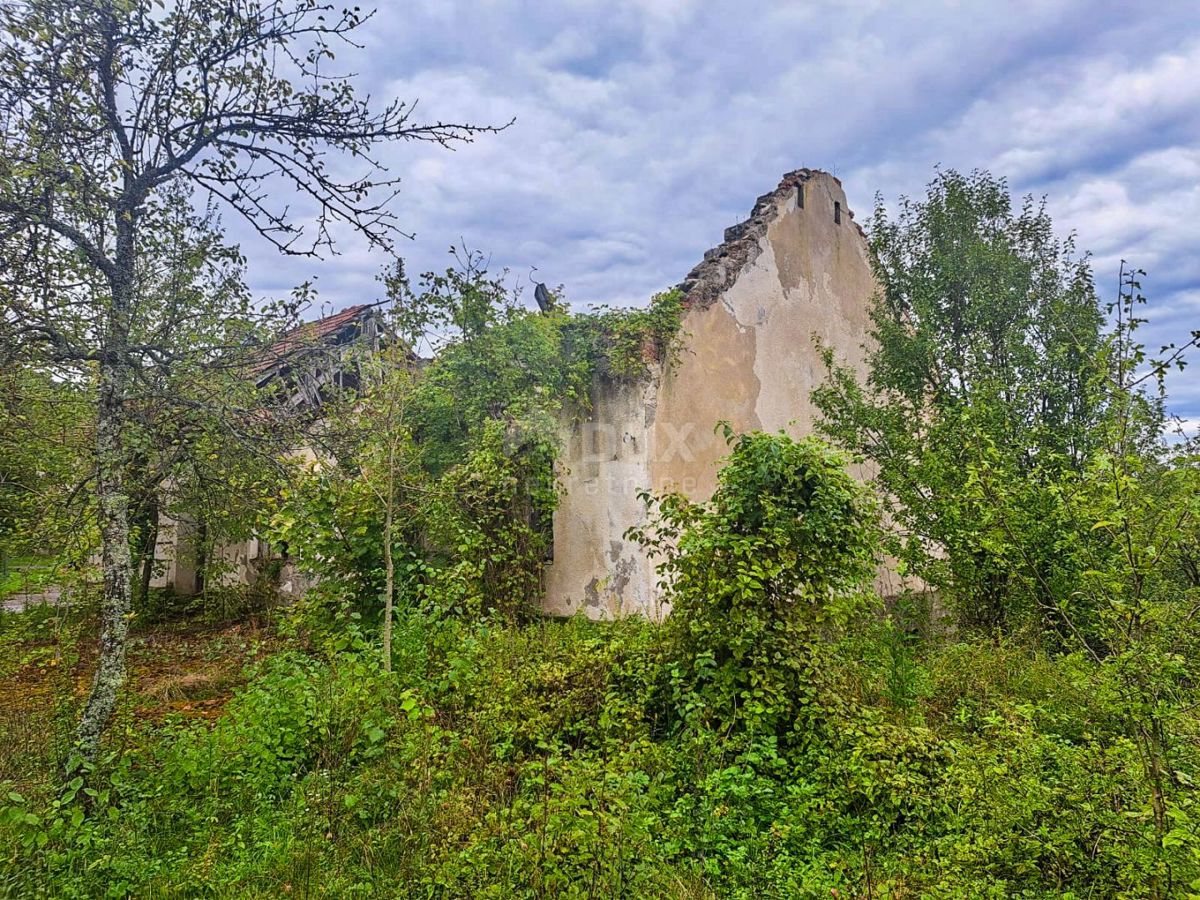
{"x": 624, "y": 343}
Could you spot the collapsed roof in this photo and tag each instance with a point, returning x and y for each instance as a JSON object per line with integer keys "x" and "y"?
{"x": 305, "y": 361}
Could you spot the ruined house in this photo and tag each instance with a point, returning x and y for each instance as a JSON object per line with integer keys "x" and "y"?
{"x": 303, "y": 366}
{"x": 797, "y": 270}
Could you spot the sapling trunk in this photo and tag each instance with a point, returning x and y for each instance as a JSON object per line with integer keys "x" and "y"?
{"x": 147, "y": 545}
{"x": 390, "y": 579}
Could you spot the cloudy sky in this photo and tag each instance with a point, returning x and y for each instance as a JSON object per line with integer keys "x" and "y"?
{"x": 644, "y": 127}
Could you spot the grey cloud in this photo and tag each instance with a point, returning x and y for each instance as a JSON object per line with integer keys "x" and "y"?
{"x": 644, "y": 128}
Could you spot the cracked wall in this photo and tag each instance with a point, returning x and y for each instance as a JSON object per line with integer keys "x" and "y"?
{"x": 787, "y": 275}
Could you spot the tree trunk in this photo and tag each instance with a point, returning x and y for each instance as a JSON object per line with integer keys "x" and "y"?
{"x": 201, "y": 583}
{"x": 148, "y": 544}
{"x": 389, "y": 583}
{"x": 115, "y": 556}
{"x": 113, "y": 499}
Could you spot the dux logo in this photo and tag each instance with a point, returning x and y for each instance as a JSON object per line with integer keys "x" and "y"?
{"x": 603, "y": 441}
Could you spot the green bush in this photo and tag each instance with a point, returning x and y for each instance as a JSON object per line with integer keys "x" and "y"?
{"x": 760, "y": 580}
{"x": 548, "y": 759}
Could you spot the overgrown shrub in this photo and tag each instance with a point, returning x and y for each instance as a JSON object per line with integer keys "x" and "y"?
{"x": 760, "y": 580}
{"x": 548, "y": 759}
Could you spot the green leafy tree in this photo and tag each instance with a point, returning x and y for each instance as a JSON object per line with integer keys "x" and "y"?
{"x": 373, "y": 482}
{"x": 106, "y": 104}
{"x": 1131, "y": 522}
{"x": 495, "y": 361}
{"x": 353, "y": 517}
{"x": 463, "y": 446}
{"x": 203, "y": 445}
{"x": 986, "y": 344}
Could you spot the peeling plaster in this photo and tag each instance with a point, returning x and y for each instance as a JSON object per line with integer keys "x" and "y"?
{"x": 752, "y": 308}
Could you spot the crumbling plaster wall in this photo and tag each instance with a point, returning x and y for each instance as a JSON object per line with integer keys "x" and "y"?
{"x": 177, "y": 552}
{"x": 796, "y": 270}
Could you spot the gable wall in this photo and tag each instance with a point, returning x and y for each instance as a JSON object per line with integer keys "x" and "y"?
{"x": 748, "y": 357}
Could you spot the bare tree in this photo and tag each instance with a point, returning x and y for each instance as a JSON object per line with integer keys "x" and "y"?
{"x": 104, "y": 104}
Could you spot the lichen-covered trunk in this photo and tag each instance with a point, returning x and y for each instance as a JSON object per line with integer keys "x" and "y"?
{"x": 112, "y": 503}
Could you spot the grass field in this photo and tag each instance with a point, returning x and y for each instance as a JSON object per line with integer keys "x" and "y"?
{"x": 25, "y": 574}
